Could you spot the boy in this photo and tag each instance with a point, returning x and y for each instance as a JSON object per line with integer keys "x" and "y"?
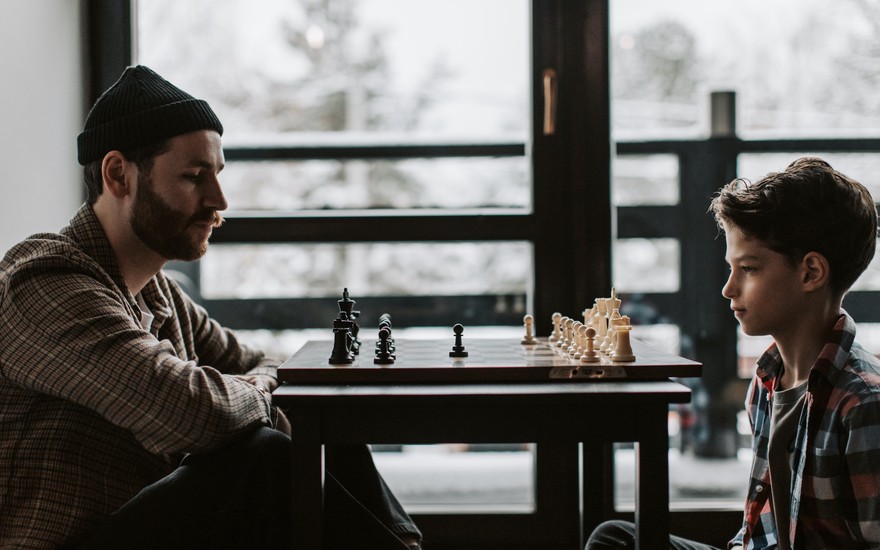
{"x": 796, "y": 242}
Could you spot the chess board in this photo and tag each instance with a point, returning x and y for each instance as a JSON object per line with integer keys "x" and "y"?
{"x": 488, "y": 360}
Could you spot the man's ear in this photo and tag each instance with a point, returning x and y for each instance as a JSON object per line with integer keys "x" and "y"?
{"x": 115, "y": 171}
{"x": 815, "y": 271}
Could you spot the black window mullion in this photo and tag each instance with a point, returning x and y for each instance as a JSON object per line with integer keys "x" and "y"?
{"x": 405, "y": 228}
{"x": 571, "y": 167}
{"x": 344, "y": 151}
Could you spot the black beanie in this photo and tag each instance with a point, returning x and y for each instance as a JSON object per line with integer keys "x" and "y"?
{"x": 141, "y": 109}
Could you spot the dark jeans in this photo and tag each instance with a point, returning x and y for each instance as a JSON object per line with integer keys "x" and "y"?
{"x": 238, "y": 497}
{"x": 622, "y": 534}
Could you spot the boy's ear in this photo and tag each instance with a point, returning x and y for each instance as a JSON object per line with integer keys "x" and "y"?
{"x": 815, "y": 271}
{"x": 113, "y": 172}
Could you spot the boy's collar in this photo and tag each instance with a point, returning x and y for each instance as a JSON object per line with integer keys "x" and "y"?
{"x": 832, "y": 358}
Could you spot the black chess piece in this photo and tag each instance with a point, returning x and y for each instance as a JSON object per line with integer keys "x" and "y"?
{"x": 346, "y": 305}
{"x": 385, "y": 322}
{"x": 341, "y": 354}
{"x": 458, "y": 348}
{"x": 383, "y": 355}
{"x": 355, "y": 342}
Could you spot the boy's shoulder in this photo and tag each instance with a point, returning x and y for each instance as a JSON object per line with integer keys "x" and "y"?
{"x": 859, "y": 377}
{"x": 863, "y": 357}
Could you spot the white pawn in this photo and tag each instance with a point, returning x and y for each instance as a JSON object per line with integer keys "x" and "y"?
{"x": 590, "y": 355}
{"x": 581, "y": 341}
{"x": 563, "y": 328}
{"x": 529, "y": 339}
{"x": 575, "y": 332}
{"x": 557, "y": 319}
{"x": 566, "y": 332}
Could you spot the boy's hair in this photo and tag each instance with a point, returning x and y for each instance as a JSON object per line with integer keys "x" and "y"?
{"x": 808, "y": 207}
{"x": 143, "y": 157}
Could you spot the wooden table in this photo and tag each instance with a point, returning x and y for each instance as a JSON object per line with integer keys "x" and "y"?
{"x": 592, "y": 412}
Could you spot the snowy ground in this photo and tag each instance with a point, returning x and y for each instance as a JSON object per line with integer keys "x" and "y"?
{"x": 432, "y": 476}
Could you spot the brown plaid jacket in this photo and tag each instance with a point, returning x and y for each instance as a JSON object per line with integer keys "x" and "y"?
{"x": 92, "y": 407}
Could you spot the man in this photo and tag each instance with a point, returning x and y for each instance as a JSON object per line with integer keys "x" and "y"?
{"x": 128, "y": 417}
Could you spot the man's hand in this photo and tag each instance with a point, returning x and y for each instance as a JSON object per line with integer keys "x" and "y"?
{"x": 262, "y": 381}
{"x": 268, "y": 384}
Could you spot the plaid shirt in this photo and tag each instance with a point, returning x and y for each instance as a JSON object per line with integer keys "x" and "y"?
{"x": 835, "y": 492}
{"x": 93, "y": 407}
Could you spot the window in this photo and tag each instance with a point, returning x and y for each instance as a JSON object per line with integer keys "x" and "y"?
{"x": 365, "y": 110}
{"x": 510, "y": 184}
{"x": 355, "y": 144}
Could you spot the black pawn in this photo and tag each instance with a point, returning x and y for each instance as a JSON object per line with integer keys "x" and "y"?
{"x": 457, "y": 348}
{"x": 385, "y": 322}
{"x": 383, "y": 355}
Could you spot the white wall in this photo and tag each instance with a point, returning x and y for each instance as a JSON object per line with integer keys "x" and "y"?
{"x": 40, "y": 116}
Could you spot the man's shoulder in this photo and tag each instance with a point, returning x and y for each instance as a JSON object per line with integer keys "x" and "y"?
{"x": 46, "y": 255}
{"x": 41, "y": 251}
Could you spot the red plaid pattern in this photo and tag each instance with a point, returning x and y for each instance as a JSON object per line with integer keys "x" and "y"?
{"x": 836, "y": 460}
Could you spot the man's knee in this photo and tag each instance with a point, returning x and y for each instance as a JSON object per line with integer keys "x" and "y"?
{"x": 262, "y": 444}
{"x": 267, "y": 447}
{"x": 268, "y": 440}
{"x": 256, "y": 468}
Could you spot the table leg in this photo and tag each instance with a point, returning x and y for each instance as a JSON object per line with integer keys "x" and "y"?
{"x": 307, "y": 495}
{"x": 652, "y": 487}
{"x": 597, "y": 485}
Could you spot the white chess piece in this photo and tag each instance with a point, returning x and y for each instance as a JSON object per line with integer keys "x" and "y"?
{"x": 588, "y": 314}
{"x": 601, "y": 321}
{"x": 563, "y": 329}
{"x": 594, "y": 318}
{"x": 575, "y": 333}
{"x": 590, "y": 355}
{"x": 613, "y": 301}
{"x": 581, "y": 341}
{"x": 529, "y": 338}
{"x": 623, "y": 347}
{"x": 557, "y": 319}
{"x": 613, "y": 307}
{"x": 611, "y": 339}
{"x": 566, "y": 332}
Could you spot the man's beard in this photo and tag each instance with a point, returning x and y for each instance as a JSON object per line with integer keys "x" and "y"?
{"x": 163, "y": 228}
